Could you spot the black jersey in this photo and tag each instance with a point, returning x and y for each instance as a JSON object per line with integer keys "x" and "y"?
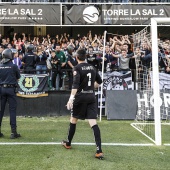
{"x": 84, "y": 77}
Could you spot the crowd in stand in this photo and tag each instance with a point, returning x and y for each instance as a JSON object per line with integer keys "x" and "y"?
{"x": 57, "y": 55}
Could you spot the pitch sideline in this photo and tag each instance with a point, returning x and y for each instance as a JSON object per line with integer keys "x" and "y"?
{"x": 75, "y": 143}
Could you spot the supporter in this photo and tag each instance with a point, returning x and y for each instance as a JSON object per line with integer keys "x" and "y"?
{"x": 68, "y": 37}
{"x": 82, "y": 45}
{"x": 20, "y": 56}
{"x": 117, "y": 48}
{"x": 89, "y": 36}
{"x": 92, "y": 57}
{"x": 64, "y": 48}
{"x": 43, "y": 48}
{"x": 132, "y": 63}
{"x": 146, "y": 55}
{"x": 63, "y": 39}
{"x": 55, "y": 69}
{"x": 9, "y": 46}
{"x": 96, "y": 43}
{"x": 71, "y": 43}
{"x": 126, "y": 41}
{"x": 41, "y": 58}
{"x": 1, "y": 50}
{"x": 48, "y": 40}
{"x": 53, "y": 44}
{"x": 71, "y": 62}
{"x": 4, "y": 43}
{"x": 78, "y": 37}
{"x": 165, "y": 48}
{"x": 76, "y": 45}
{"x": 163, "y": 59}
{"x": 16, "y": 59}
{"x": 124, "y": 60}
{"x": 35, "y": 41}
{"x": 118, "y": 40}
{"x": 167, "y": 64}
{"x": 57, "y": 39}
{"x": 87, "y": 43}
{"x": 0, "y": 38}
{"x": 18, "y": 41}
{"x": 47, "y": 51}
{"x": 8, "y": 40}
{"x": 111, "y": 61}
{"x": 137, "y": 53}
{"x": 62, "y": 58}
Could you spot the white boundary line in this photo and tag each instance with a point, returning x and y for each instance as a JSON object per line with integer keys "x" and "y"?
{"x": 167, "y": 144}
{"x": 87, "y": 144}
{"x": 77, "y": 143}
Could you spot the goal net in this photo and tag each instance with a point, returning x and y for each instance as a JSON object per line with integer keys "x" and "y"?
{"x": 152, "y": 82}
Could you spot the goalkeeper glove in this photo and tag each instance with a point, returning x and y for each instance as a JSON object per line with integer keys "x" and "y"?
{"x": 70, "y": 102}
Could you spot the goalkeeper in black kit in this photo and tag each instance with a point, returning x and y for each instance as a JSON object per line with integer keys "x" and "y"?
{"x": 82, "y": 102}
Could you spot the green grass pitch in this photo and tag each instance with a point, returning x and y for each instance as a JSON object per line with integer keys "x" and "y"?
{"x": 80, "y": 157}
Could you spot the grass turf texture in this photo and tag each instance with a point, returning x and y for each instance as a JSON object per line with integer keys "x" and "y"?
{"x": 54, "y": 157}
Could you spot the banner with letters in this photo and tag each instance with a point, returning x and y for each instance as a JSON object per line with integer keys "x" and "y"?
{"x": 145, "y": 100}
{"x": 31, "y": 86}
{"x": 30, "y": 14}
{"x": 114, "y": 81}
{"x": 114, "y": 14}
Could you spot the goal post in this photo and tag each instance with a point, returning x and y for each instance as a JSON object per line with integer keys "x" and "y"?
{"x": 151, "y": 111}
{"x": 156, "y": 93}
{"x": 104, "y": 44}
{"x": 155, "y": 66}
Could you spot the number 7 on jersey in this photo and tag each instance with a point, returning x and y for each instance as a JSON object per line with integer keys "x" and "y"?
{"x": 89, "y": 76}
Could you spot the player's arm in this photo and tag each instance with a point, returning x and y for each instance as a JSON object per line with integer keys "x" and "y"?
{"x": 96, "y": 85}
{"x": 98, "y": 79}
{"x": 76, "y": 80}
{"x": 71, "y": 99}
{"x": 73, "y": 93}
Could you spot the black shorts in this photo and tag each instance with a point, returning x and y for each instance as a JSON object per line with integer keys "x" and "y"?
{"x": 84, "y": 111}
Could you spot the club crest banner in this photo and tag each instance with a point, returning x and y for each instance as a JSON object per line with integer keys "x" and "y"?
{"x": 31, "y": 86}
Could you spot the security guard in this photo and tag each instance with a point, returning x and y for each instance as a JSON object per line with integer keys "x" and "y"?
{"x": 29, "y": 60}
{"x": 9, "y": 75}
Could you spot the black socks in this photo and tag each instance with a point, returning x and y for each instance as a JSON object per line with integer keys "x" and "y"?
{"x": 96, "y": 131}
{"x": 71, "y": 131}
{"x": 97, "y": 136}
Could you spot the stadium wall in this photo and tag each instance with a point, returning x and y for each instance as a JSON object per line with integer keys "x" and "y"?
{"x": 55, "y": 105}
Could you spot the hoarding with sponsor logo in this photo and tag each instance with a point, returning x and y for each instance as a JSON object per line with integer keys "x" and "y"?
{"x": 114, "y": 14}
{"x": 81, "y": 14}
{"x": 30, "y": 14}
